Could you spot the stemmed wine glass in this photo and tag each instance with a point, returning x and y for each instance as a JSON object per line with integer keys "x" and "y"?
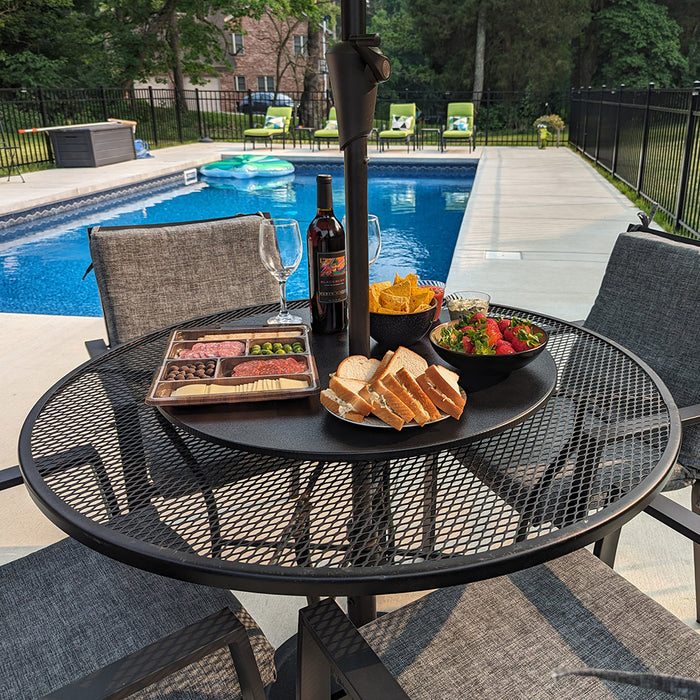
{"x": 374, "y": 237}
{"x": 280, "y": 249}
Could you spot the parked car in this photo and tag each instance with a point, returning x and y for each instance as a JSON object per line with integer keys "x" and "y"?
{"x": 262, "y": 100}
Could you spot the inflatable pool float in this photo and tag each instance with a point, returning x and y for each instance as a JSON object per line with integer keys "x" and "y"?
{"x": 247, "y": 166}
{"x": 251, "y": 185}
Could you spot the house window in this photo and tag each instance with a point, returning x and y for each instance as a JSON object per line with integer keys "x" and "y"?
{"x": 237, "y": 44}
{"x": 239, "y": 83}
{"x": 266, "y": 83}
{"x": 300, "y": 41}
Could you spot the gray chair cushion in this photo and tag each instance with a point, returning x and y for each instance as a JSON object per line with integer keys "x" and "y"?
{"x": 502, "y": 638}
{"x": 155, "y": 275}
{"x": 67, "y": 610}
{"x": 649, "y": 302}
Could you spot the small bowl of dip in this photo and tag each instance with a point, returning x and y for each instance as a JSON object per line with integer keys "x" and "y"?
{"x": 465, "y": 303}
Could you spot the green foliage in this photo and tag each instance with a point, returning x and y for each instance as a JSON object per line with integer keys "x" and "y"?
{"x": 638, "y": 43}
{"x": 551, "y": 121}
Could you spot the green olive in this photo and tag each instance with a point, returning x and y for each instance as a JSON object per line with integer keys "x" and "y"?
{"x": 255, "y": 347}
{"x": 288, "y": 348}
{"x": 265, "y": 351}
{"x": 255, "y": 351}
{"x": 267, "y": 346}
{"x": 276, "y": 346}
{"x": 279, "y": 351}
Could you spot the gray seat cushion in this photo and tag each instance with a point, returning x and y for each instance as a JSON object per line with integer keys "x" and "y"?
{"x": 503, "y": 637}
{"x": 155, "y": 275}
{"x": 649, "y": 302}
{"x": 67, "y": 611}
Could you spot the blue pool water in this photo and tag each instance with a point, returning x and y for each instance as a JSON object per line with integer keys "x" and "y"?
{"x": 420, "y": 210}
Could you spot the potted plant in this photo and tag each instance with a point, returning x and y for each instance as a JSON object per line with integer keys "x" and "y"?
{"x": 546, "y": 124}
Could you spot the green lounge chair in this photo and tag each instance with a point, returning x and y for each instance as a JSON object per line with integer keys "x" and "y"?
{"x": 460, "y": 124}
{"x": 330, "y": 130}
{"x": 403, "y": 126}
{"x": 277, "y": 125}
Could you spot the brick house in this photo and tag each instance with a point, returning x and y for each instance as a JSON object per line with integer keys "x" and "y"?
{"x": 267, "y": 55}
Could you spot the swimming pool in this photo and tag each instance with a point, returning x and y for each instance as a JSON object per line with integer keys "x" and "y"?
{"x": 420, "y": 209}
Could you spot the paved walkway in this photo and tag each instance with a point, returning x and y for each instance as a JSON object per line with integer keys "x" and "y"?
{"x": 537, "y": 232}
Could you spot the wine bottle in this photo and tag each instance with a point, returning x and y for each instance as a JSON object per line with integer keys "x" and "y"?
{"x": 325, "y": 240}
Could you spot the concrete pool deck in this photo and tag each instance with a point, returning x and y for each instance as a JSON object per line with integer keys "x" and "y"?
{"x": 537, "y": 235}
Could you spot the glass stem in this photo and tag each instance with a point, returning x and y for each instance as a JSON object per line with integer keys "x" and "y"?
{"x": 283, "y": 298}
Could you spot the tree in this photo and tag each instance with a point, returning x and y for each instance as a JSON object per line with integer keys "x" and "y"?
{"x": 639, "y": 43}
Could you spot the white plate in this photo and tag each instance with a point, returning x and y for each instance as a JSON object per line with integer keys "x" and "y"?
{"x": 374, "y": 422}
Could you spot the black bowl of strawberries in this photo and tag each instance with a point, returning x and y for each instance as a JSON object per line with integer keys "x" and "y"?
{"x": 480, "y": 345}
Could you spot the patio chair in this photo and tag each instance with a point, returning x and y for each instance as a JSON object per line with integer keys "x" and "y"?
{"x": 78, "y": 624}
{"x": 329, "y": 132}
{"x": 647, "y": 301}
{"x": 503, "y": 638}
{"x": 403, "y": 126}
{"x": 460, "y": 124}
{"x": 278, "y": 122}
{"x": 9, "y": 159}
{"x": 154, "y": 275}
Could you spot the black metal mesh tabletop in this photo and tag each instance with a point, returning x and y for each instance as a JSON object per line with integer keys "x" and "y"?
{"x": 116, "y": 474}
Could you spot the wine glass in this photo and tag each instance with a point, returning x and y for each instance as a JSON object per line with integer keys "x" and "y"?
{"x": 280, "y": 251}
{"x": 374, "y": 237}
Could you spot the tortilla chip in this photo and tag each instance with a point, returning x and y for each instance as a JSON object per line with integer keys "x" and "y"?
{"x": 400, "y": 289}
{"x": 393, "y": 302}
{"x": 421, "y": 298}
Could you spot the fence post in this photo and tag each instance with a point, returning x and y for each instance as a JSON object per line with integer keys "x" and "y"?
{"x": 597, "y": 128}
{"x": 153, "y": 114}
{"x": 585, "y": 119}
{"x": 617, "y": 128}
{"x": 178, "y": 115}
{"x": 694, "y": 105}
{"x": 645, "y": 139}
{"x": 103, "y": 95}
{"x": 250, "y": 108}
{"x": 488, "y": 106}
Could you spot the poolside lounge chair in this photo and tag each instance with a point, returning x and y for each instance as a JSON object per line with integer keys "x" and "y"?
{"x": 278, "y": 122}
{"x": 460, "y": 124}
{"x": 329, "y": 132}
{"x": 403, "y": 126}
{"x": 68, "y": 611}
{"x": 8, "y": 151}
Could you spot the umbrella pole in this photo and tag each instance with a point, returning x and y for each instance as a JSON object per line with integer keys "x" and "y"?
{"x": 356, "y": 66}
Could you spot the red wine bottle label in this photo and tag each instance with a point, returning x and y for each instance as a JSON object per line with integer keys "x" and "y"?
{"x": 331, "y": 276}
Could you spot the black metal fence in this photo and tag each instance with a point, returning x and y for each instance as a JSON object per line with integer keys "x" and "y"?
{"x": 502, "y": 118}
{"x": 650, "y": 140}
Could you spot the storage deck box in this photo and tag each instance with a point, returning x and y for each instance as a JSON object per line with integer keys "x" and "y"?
{"x": 92, "y": 146}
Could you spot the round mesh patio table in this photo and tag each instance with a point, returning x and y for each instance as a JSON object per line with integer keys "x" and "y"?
{"x": 546, "y": 461}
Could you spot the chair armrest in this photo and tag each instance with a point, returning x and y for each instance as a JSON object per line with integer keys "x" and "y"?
{"x": 10, "y": 477}
{"x": 690, "y": 415}
{"x": 327, "y": 640}
{"x": 170, "y": 654}
{"x": 675, "y": 516}
{"x": 96, "y": 348}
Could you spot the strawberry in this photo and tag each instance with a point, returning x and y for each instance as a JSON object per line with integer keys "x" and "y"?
{"x": 503, "y": 347}
{"x": 478, "y": 316}
{"x": 468, "y": 345}
{"x": 493, "y": 332}
{"x": 503, "y": 324}
{"x": 524, "y": 339}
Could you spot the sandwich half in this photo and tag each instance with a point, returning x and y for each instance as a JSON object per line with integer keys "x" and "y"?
{"x": 343, "y": 399}
{"x": 404, "y": 358}
{"x": 399, "y": 389}
{"x": 386, "y": 405}
{"x": 358, "y": 367}
{"x": 442, "y": 387}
